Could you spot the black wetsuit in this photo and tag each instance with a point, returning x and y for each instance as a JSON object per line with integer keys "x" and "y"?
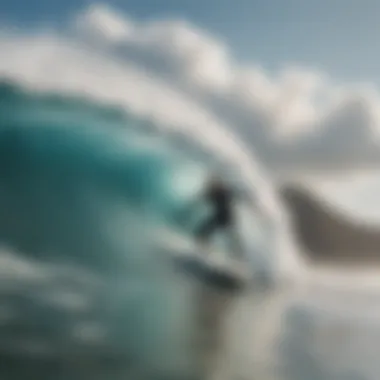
{"x": 220, "y": 198}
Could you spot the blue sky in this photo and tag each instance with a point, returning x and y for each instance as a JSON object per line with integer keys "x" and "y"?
{"x": 338, "y": 37}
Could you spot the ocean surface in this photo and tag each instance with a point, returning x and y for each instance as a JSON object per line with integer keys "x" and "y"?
{"x": 88, "y": 292}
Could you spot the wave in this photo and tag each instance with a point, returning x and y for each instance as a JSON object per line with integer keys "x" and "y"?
{"x": 84, "y": 186}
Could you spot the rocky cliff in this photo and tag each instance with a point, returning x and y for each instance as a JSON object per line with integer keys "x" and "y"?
{"x": 325, "y": 232}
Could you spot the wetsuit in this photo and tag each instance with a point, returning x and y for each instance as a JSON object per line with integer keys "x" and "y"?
{"x": 220, "y": 198}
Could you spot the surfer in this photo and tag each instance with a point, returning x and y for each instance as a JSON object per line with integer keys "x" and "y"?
{"x": 220, "y": 197}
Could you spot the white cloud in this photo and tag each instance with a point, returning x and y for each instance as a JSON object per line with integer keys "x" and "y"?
{"x": 104, "y": 23}
{"x": 295, "y": 121}
{"x": 182, "y": 76}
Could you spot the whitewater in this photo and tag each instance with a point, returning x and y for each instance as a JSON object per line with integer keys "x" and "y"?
{"x": 88, "y": 175}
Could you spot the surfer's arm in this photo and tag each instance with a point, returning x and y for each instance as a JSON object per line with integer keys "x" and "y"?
{"x": 245, "y": 195}
{"x": 252, "y": 199}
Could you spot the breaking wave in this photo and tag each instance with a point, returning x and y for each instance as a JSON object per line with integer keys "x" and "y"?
{"x": 84, "y": 187}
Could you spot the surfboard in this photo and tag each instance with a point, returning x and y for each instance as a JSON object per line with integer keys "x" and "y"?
{"x": 214, "y": 267}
